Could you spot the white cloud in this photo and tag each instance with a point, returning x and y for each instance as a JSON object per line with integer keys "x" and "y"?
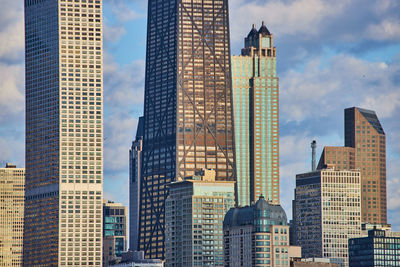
{"x": 113, "y": 33}
{"x": 388, "y": 29}
{"x": 122, "y": 11}
{"x": 119, "y": 132}
{"x": 344, "y": 81}
{"x": 11, "y": 91}
{"x": 12, "y": 30}
{"x": 124, "y": 85}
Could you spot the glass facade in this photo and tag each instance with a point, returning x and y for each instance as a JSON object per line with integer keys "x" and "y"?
{"x": 64, "y": 135}
{"x": 379, "y": 249}
{"x": 256, "y": 111}
{"x": 114, "y": 231}
{"x": 257, "y": 235}
{"x": 187, "y": 111}
{"x": 195, "y": 211}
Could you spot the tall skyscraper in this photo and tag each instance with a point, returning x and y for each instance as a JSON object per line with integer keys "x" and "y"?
{"x": 365, "y": 150}
{"x": 187, "y": 111}
{"x": 64, "y": 135}
{"x": 195, "y": 210}
{"x": 114, "y": 232}
{"x": 135, "y": 160}
{"x": 12, "y": 197}
{"x": 255, "y": 88}
{"x": 327, "y": 212}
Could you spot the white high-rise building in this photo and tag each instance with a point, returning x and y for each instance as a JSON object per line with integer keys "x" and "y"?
{"x": 64, "y": 133}
{"x": 326, "y": 213}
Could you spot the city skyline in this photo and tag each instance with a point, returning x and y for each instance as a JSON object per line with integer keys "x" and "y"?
{"x": 328, "y": 67}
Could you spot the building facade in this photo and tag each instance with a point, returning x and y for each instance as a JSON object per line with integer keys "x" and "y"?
{"x": 136, "y": 259}
{"x": 64, "y": 133}
{"x": 188, "y": 123}
{"x": 258, "y": 235}
{"x": 365, "y": 150}
{"x": 327, "y": 212}
{"x": 114, "y": 232}
{"x": 135, "y": 160}
{"x": 195, "y": 210}
{"x": 255, "y": 91}
{"x": 12, "y": 197}
{"x": 380, "y": 248}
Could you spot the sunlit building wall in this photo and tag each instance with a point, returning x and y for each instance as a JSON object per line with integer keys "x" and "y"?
{"x": 64, "y": 133}
{"x": 255, "y": 91}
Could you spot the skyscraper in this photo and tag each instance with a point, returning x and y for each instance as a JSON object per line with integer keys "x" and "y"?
{"x": 255, "y": 88}
{"x": 365, "y": 149}
{"x": 327, "y": 212}
{"x": 12, "y": 196}
{"x": 64, "y": 135}
{"x": 187, "y": 111}
{"x": 135, "y": 160}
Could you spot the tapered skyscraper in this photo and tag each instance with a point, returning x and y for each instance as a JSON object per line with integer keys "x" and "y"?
{"x": 187, "y": 112}
{"x": 64, "y": 135}
{"x": 365, "y": 150}
{"x": 256, "y": 107}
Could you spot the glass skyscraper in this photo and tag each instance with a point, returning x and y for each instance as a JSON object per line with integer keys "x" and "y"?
{"x": 64, "y": 134}
{"x": 255, "y": 88}
{"x": 188, "y": 122}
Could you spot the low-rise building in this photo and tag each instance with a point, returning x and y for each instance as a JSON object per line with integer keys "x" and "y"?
{"x": 12, "y": 197}
{"x": 136, "y": 259}
{"x": 258, "y": 235}
{"x": 379, "y": 248}
{"x": 313, "y": 262}
{"x": 194, "y": 214}
{"x": 114, "y": 232}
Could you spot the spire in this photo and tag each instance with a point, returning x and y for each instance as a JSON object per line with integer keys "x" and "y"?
{"x": 263, "y": 30}
{"x": 253, "y": 31}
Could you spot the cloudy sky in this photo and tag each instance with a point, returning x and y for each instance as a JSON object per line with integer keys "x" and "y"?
{"x": 331, "y": 55}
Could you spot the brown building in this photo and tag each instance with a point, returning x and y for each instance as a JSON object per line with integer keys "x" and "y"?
{"x": 365, "y": 149}
{"x": 313, "y": 262}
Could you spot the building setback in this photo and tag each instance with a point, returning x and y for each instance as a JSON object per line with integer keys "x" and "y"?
{"x": 365, "y": 150}
{"x": 326, "y": 213}
{"x": 380, "y": 248}
{"x": 64, "y": 133}
{"x": 114, "y": 232}
{"x": 195, "y": 210}
{"x": 12, "y": 197}
{"x": 135, "y": 160}
{"x": 188, "y": 123}
{"x": 258, "y": 235}
{"x": 255, "y": 91}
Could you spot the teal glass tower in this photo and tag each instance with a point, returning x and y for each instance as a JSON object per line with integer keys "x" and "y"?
{"x": 255, "y": 88}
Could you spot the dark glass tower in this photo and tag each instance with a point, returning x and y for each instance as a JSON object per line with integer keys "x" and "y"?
{"x": 188, "y": 112}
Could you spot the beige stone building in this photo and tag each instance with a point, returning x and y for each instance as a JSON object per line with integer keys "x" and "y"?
{"x": 326, "y": 213}
{"x": 64, "y": 132}
{"x": 12, "y": 196}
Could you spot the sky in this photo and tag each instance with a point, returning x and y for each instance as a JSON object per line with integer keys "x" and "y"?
{"x": 331, "y": 55}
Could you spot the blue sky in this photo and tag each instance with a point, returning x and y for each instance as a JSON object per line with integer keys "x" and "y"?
{"x": 331, "y": 55}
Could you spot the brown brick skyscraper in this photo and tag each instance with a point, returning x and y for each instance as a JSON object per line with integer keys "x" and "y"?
{"x": 365, "y": 149}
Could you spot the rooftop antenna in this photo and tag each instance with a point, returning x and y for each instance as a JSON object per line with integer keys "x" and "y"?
{"x": 313, "y": 147}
